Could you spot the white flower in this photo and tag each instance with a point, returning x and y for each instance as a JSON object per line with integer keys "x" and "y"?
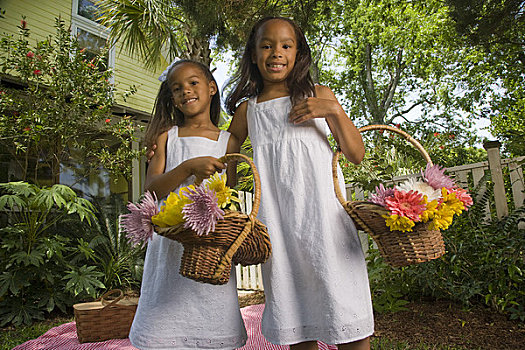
{"x": 420, "y": 186}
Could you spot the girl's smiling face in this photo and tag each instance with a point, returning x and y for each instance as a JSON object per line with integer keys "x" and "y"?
{"x": 275, "y": 51}
{"x": 191, "y": 90}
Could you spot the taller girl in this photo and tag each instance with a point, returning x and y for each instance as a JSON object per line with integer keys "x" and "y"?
{"x": 316, "y": 282}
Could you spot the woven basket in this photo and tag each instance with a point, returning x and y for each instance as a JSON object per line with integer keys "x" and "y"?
{"x": 238, "y": 238}
{"x": 105, "y": 319}
{"x": 397, "y": 248}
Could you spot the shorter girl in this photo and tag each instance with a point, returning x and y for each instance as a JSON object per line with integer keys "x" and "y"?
{"x": 175, "y": 312}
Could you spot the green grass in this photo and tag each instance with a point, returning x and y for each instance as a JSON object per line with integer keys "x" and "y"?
{"x": 10, "y": 338}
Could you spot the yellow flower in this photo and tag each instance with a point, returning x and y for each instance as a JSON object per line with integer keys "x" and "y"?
{"x": 442, "y": 218}
{"x": 451, "y": 202}
{"x": 431, "y": 209}
{"x": 399, "y": 223}
{"x": 217, "y": 183}
{"x": 171, "y": 212}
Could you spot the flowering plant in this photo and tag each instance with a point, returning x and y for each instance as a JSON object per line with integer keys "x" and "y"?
{"x": 196, "y": 207}
{"x": 434, "y": 199}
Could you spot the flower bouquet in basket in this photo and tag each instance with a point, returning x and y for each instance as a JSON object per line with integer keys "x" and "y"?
{"x": 405, "y": 220}
{"x": 204, "y": 218}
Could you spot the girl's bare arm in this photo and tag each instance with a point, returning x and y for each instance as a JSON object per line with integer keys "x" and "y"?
{"x": 239, "y": 130}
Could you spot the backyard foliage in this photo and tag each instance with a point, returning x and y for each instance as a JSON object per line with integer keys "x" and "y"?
{"x": 58, "y": 103}
{"x": 57, "y": 249}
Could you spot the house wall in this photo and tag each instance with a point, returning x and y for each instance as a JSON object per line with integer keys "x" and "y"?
{"x": 128, "y": 69}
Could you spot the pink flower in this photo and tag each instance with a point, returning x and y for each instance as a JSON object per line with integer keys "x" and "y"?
{"x": 137, "y": 223}
{"x": 202, "y": 214}
{"x": 381, "y": 194}
{"x": 30, "y": 54}
{"x": 108, "y": 120}
{"x": 408, "y": 204}
{"x": 463, "y": 196}
{"x": 435, "y": 176}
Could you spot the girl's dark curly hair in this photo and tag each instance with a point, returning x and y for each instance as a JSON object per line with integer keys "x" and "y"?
{"x": 165, "y": 115}
{"x": 247, "y": 81}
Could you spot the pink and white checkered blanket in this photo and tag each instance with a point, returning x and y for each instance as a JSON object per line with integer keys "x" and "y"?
{"x": 64, "y": 337}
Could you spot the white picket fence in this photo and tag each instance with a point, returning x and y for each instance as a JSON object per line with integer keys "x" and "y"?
{"x": 249, "y": 277}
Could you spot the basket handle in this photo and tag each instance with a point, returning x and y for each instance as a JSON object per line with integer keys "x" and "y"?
{"x": 256, "y": 179}
{"x": 407, "y": 137}
{"x": 107, "y": 303}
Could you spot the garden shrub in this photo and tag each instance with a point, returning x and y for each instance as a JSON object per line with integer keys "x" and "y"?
{"x": 41, "y": 271}
{"x": 58, "y": 249}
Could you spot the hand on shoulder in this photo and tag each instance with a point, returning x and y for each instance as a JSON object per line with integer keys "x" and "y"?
{"x": 324, "y": 105}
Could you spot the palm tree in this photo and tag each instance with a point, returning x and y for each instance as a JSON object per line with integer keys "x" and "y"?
{"x": 153, "y": 29}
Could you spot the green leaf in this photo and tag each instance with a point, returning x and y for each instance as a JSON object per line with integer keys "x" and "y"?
{"x": 84, "y": 280}
{"x": 12, "y": 201}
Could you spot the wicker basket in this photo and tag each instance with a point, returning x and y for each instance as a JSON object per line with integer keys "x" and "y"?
{"x": 238, "y": 238}
{"x": 397, "y": 248}
{"x": 105, "y": 319}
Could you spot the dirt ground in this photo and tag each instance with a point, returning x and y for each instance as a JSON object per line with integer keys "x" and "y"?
{"x": 442, "y": 322}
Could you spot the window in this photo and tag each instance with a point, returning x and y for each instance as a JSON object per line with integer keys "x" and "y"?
{"x": 91, "y": 34}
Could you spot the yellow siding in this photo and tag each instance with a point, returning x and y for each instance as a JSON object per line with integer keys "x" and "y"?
{"x": 130, "y": 71}
{"x": 40, "y": 17}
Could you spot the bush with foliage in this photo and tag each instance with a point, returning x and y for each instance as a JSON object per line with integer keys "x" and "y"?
{"x": 56, "y": 99}
{"x": 57, "y": 249}
{"x": 120, "y": 263}
{"x": 42, "y": 271}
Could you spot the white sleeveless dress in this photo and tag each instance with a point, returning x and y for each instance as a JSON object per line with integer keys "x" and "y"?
{"x": 316, "y": 281}
{"x": 175, "y": 312}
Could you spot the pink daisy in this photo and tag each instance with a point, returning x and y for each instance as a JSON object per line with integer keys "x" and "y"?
{"x": 409, "y": 204}
{"x": 381, "y": 194}
{"x": 137, "y": 223}
{"x": 463, "y": 196}
{"x": 435, "y": 176}
{"x": 202, "y": 214}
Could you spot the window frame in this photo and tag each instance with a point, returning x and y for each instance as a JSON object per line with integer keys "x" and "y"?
{"x": 93, "y": 28}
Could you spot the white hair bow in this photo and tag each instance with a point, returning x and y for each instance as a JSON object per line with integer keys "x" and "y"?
{"x": 164, "y": 74}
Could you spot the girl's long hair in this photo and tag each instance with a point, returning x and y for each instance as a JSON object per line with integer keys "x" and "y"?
{"x": 247, "y": 81}
{"x": 165, "y": 115}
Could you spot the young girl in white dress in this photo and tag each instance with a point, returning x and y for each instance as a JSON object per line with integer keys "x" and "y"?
{"x": 175, "y": 312}
{"x": 315, "y": 282}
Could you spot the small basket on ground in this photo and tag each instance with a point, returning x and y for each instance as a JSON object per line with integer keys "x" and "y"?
{"x": 238, "y": 238}
{"x": 105, "y": 319}
{"x": 397, "y": 248}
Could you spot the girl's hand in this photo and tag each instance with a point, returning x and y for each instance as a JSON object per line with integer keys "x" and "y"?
{"x": 150, "y": 152}
{"x": 314, "y": 107}
{"x": 204, "y": 167}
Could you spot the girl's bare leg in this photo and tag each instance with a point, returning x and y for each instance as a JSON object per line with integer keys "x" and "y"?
{"x": 363, "y": 344}
{"x": 308, "y": 345}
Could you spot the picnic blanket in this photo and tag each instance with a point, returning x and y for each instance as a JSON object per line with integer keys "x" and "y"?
{"x": 64, "y": 337}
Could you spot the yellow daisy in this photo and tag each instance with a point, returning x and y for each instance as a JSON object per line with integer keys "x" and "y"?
{"x": 171, "y": 211}
{"x": 399, "y": 223}
{"x": 225, "y": 195}
{"x": 431, "y": 208}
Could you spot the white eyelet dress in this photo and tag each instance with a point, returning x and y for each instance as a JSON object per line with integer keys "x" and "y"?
{"x": 175, "y": 312}
{"x": 316, "y": 281}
